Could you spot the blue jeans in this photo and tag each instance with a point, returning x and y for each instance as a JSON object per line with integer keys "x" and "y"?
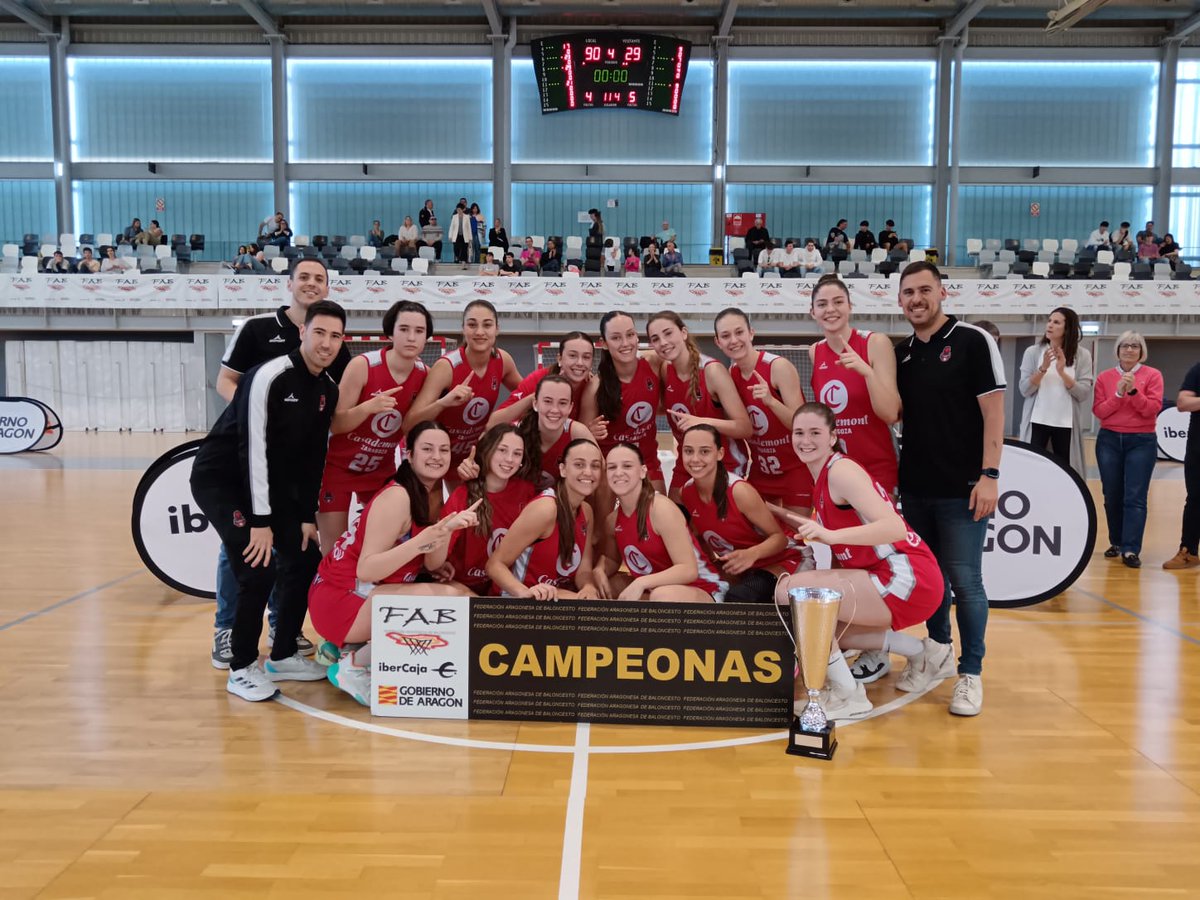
{"x": 227, "y": 595}
{"x": 949, "y": 528}
{"x": 1126, "y": 462}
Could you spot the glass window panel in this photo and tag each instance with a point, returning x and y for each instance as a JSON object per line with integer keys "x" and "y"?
{"x": 26, "y": 207}
{"x": 25, "y": 99}
{"x": 1187, "y": 115}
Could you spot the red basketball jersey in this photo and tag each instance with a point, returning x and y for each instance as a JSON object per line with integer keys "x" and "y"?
{"x": 539, "y": 563}
{"x": 469, "y": 550}
{"x": 467, "y": 423}
{"x": 677, "y": 395}
{"x": 366, "y": 456}
{"x": 865, "y": 437}
{"x": 636, "y": 423}
{"x": 340, "y": 568}
{"x": 645, "y": 557}
{"x": 723, "y": 534}
{"x": 552, "y": 456}
{"x": 528, "y": 387}
{"x": 771, "y": 440}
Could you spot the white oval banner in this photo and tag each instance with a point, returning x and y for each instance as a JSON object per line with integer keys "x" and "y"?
{"x": 1172, "y": 429}
{"x": 1043, "y": 532}
{"x": 171, "y": 532}
{"x": 22, "y": 424}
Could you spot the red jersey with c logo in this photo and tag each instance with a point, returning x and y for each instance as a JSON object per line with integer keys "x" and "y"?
{"x": 340, "y": 568}
{"x": 552, "y": 456}
{"x": 466, "y": 423}
{"x": 865, "y": 437}
{"x": 678, "y": 396}
{"x": 775, "y": 471}
{"x": 469, "y": 550}
{"x": 723, "y": 534}
{"x": 365, "y": 458}
{"x": 636, "y": 423}
{"x": 650, "y": 555}
{"x": 539, "y": 563}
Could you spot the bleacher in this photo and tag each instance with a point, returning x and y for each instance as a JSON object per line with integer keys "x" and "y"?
{"x": 33, "y": 252}
{"x": 1052, "y": 258}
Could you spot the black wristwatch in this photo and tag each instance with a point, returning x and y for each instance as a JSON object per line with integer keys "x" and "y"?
{"x": 990, "y": 473}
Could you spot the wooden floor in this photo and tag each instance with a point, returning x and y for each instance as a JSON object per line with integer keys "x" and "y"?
{"x": 126, "y": 771}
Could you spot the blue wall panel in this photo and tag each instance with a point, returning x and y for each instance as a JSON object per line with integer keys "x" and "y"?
{"x": 1187, "y": 114}
{"x": 347, "y": 207}
{"x": 25, "y": 108}
{"x": 828, "y": 112}
{"x": 548, "y": 209}
{"x": 170, "y": 110}
{"x": 810, "y": 210}
{"x": 26, "y": 207}
{"x": 378, "y": 110}
{"x": 1185, "y": 222}
{"x": 1002, "y": 211}
{"x": 1058, "y": 114}
{"x": 613, "y": 136}
{"x": 227, "y": 213}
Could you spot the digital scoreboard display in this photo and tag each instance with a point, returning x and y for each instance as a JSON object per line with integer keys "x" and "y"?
{"x": 610, "y": 69}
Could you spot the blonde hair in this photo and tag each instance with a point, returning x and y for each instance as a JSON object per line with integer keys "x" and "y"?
{"x": 1131, "y": 337}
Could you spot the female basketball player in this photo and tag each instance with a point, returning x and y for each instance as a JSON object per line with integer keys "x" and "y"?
{"x": 463, "y": 386}
{"x": 697, "y": 390}
{"x": 396, "y": 535}
{"x": 547, "y": 553}
{"x": 375, "y": 394}
{"x": 574, "y": 363}
{"x": 497, "y": 493}
{"x": 549, "y": 428}
{"x": 731, "y": 521}
{"x": 889, "y": 578}
{"x": 854, "y": 373}
{"x": 648, "y": 533}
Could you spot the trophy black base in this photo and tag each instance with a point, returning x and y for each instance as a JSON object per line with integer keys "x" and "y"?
{"x": 812, "y": 744}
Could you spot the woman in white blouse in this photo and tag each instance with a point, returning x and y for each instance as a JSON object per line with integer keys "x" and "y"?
{"x": 1056, "y": 381}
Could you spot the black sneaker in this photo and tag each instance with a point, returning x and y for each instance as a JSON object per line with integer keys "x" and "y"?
{"x": 222, "y": 649}
{"x": 1132, "y": 560}
{"x": 1112, "y": 552}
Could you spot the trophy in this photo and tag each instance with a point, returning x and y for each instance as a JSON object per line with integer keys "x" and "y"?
{"x": 814, "y": 616}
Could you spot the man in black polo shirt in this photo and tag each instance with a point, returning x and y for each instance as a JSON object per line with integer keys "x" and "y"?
{"x": 257, "y": 340}
{"x": 951, "y": 382}
{"x": 257, "y": 476}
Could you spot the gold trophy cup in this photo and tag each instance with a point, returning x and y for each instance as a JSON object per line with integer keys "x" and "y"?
{"x": 814, "y": 617}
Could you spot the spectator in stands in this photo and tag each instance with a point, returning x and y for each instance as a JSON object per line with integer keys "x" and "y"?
{"x": 597, "y": 227}
{"x": 1056, "y": 382}
{"x": 765, "y": 263}
{"x": 672, "y": 261}
{"x": 460, "y": 233}
{"x": 245, "y": 260}
{"x": 375, "y": 237}
{"x": 787, "y": 260}
{"x": 887, "y": 237}
{"x": 758, "y": 238}
{"x": 281, "y": 236}
{"x": 552, "y": 258}
{"x": 1122, "y": 239}
{"x": 132, "y": 231}
{"x": 865, "y": 239}
{"x": 837, "y": 239}
{"x": 990, "y": 328}
{"x": 489, "y": 266}
{"x": 1147, "y": 235}
{"x": 633, "y": 263}
{"x": 1148, "y": 250}
{"x": 666, "y": 234}
{"x": 651, "y": 263}
{"x": 612, "y": 256}
{"x": 89, "y": 265}
{"x": 57, "y": 264}
{"x": 151, "y": 236}
{"x": 497, "y": 236}
{"x": 478, "y": 230}
{"x": 425, "y": 214}
{"x": 270, "y": 224}
{"x": 408, "y": 238}
{"x": 510, "y": 266}
{"x": 1168, "y": 249}
{"x": 531, "y": 256}
{"x": 113, "y": 263}
{"x": 811, "y": 261}
{"x": 431, "y": 235}
{"x": 1100, "y": 238}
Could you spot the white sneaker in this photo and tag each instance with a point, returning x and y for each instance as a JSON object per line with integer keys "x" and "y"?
{"x": 968, "y": 696}
{"x": 294, "y": 668}
{"x": 870, "y": 666}
{"x": 852, "y": 705}
{"x": 251, "y": 683}
{"x": 935, "y": 662}
{"x": 354, "y": 680}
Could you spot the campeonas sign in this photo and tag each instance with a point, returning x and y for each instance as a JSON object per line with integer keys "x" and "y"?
{"x": 1043, "y": 532}
{"x": 172, "y": 535}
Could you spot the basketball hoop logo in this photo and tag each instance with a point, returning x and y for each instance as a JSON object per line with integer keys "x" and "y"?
{"x": 418, "y": 644}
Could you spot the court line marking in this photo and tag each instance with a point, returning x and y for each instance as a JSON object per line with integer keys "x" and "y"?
{"x": 60, "y": 603}
{"x": 1137, "y": 615}
{"x": 477, "y": 744}
{"x": 572, "y": 852}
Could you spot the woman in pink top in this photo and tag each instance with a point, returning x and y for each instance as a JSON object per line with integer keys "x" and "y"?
{"x": 1127, "y": 401}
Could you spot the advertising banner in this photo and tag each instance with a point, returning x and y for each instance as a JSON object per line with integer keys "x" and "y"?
{"x": 22, "y": 424}
{"x": 1172, "y": 429}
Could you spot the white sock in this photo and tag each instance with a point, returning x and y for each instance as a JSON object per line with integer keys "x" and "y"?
{"x": 838, "y": 673}
{"x": 904, "y": 644}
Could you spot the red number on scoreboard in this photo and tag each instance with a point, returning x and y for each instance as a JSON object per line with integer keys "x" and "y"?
{"x": 633, "y": 98}
{"x": 591, "y": 53}
{"x": 633, "y": 54}
{"x": 587, "y": 96}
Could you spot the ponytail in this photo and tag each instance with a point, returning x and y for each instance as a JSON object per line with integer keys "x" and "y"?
{"x": 530, "y": 431}
{"x": 608, "y": 393}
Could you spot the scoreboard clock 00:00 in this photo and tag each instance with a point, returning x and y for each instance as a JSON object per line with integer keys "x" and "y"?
{"x": 610, "y": 69}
